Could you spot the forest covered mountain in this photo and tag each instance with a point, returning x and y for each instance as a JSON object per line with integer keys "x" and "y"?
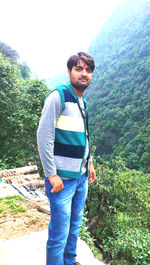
{"x": 119, "y": 96}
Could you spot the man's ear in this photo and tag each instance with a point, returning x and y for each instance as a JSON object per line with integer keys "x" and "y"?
{"x": 69, "y": 72}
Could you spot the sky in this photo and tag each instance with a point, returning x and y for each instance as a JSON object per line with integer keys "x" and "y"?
{"x": 45, "y": 32}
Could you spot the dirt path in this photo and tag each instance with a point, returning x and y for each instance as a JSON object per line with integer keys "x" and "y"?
{"x": 30, "y": 250}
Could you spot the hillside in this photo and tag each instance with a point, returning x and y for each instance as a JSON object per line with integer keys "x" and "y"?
{"x": 119, "y": 96}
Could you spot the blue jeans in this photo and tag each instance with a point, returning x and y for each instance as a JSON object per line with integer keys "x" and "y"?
{"x": 66, "y": 208}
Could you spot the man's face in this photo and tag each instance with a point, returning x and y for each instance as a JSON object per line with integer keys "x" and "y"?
{"x": 80, "y": 75}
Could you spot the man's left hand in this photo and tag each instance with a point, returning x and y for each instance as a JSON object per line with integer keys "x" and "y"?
{"x": 92, "y": 174}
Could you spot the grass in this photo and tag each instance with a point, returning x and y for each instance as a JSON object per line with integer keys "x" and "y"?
{"x": 11, "y": 205}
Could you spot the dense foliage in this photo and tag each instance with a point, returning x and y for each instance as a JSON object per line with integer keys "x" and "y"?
{"x": 118, "y": 208}
{"x": 8, "y": 52}
{"x": 21, "y": 102}
{"x": 119, "y": 96}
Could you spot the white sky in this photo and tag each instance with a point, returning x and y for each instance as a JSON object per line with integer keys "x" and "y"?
{"x": 45, "y": 32}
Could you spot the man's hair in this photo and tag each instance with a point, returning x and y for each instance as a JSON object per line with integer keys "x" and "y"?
{"x": 73, "y": 60}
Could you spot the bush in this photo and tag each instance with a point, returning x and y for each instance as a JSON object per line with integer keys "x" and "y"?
{"x": 118, "y": 210}
{"x": 3, "y": 164}
{"x": 85, "y": 236}
{"x": 131, "y": 244}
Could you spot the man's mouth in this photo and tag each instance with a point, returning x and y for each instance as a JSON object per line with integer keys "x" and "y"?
{"x": 83, "y": 79}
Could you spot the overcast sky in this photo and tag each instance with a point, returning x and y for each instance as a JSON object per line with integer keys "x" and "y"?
{"x": 45, "y": 33}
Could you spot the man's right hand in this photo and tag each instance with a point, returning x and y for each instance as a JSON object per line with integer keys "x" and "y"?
{"x": 56, "y": 182}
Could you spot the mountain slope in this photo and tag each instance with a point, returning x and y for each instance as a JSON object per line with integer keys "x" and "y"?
{"x": 119, "y": 96}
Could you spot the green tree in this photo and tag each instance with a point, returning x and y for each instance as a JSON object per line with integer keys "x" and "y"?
{"x": 25, "y": 70}
{"x": 9, "y": 95}
{"x": 21, "y": 102}
{"x": 145, "y": 161}
{"x": 8, "y": 52}
{"x": 26, "y": 119}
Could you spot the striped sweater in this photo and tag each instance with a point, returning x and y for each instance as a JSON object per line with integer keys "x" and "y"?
{"x": 71, "y": 133}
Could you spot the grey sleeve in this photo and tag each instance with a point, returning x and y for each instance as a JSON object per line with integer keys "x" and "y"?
{"x": 46, "y": 132}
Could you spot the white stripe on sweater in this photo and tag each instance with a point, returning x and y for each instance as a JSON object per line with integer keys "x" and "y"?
{"x": 67, "y": 163}
{"x": 74, "y": 124}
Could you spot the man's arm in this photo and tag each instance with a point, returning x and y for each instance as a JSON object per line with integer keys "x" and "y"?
{"x": 46, "y": 137}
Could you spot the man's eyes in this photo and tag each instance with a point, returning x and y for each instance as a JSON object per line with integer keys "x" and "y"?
{"x": 88, "y": 70}
{"x": 78, "y": 68}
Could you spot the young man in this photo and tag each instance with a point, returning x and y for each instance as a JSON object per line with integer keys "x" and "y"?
{"x": 63, "y": 143}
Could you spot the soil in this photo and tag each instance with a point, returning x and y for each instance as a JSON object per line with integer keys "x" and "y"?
{"x": 32, "y": 220}
{"x": 23, "y": 223}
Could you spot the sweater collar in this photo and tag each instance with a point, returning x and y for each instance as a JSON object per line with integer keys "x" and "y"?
{"x": 69, "y": 87}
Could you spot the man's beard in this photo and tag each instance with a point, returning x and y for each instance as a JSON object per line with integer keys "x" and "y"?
{"x": 79, "y": 86}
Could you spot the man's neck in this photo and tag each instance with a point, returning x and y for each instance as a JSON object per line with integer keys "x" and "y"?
{"x": 77, "y": 92}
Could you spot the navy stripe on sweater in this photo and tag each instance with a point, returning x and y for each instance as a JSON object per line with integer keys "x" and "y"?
{"x": 69, "y": 150}
{"x": 68, "y": 96}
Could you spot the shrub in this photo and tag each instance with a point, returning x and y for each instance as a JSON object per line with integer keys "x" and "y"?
{"x": 118, "y": 210}
{"x": 85, "y": 236}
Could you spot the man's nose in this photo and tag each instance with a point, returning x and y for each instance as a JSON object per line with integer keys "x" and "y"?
{"x": 84, "y": 72}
